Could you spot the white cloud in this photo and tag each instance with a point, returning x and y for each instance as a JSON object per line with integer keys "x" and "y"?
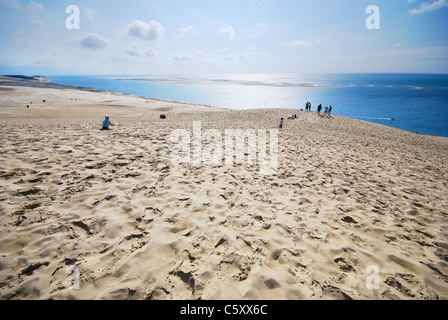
{"x": 150, "y": 53}
{"x": 228, "y": 30}
{"x": 301, "y": 43}
{"x": 135, "y": 51}
{"x": 33, "y": 6}
{"x": 37, "y": 23}
{"x": 188, "y": 30}
{"x": 152, "y": 30}
{"x": 195, "y": 59}
{"x": 429, "y": 6}
{"x": 242, "y": 56}
{"x": 261, "y": 24}
{"x": 182, "y": 58}
{"x": 17, "y": 5}
{"x": 90, "y": 14}
{"x": 93, "y": 41}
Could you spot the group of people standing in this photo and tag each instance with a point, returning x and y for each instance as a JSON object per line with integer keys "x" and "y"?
{"x": 319, "y": 108}
{"x": 308, "y": 108}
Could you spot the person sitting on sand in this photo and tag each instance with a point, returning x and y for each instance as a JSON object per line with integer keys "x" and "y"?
{"x": 107, "y": 123}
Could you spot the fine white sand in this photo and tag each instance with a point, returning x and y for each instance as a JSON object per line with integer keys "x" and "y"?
{"x": 347, "y": 195}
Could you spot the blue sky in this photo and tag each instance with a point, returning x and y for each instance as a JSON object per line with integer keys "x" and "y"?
{"x": 231, "y": 36}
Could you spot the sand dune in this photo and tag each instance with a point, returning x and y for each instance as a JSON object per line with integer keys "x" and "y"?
{"x": 347, "y": 195}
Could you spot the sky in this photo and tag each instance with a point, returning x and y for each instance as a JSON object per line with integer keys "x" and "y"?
{"x": 167, "y": 37}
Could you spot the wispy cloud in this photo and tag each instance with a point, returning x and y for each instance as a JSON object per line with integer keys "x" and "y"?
{"x": 242, "y": 56}
{"x": 133, "y": 52}
{"x": 429, "y": 6}
{"x": 136, "y": 51}
{"x": 228, "y": 30}
{"x": 182, "y": 58}
{"x": 33, "y": 6}
{"x": 188, "y": 30}
{"x": 90, "y": 14}
{"x": 301, "y": 43}
{"x": 37, "y": 23}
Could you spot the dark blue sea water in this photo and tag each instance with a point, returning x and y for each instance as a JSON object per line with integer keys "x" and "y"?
{"x": 416, "y": 102}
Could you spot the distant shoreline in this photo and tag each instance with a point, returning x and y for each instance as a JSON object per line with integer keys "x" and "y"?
{"x": 242, "y": 82}
{"x": 25, "y": 81}
{"x": 39, "y": 81}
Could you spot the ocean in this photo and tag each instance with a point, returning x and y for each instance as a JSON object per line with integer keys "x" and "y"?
{"x": 414, "y": 102}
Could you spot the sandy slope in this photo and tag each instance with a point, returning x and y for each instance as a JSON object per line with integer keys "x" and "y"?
{"x": 347, "y": 195}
